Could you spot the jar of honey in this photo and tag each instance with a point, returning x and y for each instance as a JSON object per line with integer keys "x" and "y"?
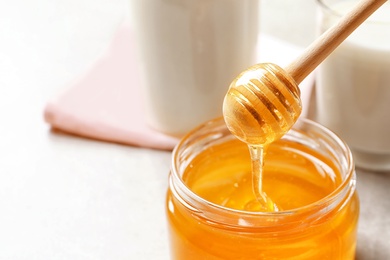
{"x": 309, "y": 174}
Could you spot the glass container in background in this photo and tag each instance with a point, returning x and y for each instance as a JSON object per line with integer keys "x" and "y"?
{"x": 353, "y": 85}
{"x": 189, "y": 52}
{"x": 309, "y": 174}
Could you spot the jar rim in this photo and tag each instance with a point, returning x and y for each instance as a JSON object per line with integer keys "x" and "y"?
{"x": 188, "y": 197}
{"x": 325, "y": 5}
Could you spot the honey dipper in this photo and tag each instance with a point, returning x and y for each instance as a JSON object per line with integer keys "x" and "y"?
{"x": 263, "y": 102}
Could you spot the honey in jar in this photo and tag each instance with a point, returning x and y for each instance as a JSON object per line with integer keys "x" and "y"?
{"x": 308, "y": 173}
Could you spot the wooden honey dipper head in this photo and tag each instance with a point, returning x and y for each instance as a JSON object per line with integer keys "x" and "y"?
{"x": 262, "y": 104}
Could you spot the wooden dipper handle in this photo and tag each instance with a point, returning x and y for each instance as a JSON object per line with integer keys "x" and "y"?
{"x": 316, "y": 52}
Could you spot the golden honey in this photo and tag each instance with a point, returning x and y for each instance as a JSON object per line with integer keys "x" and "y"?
{"x": 262, "y": 104}
{"x": 309, "y": 175}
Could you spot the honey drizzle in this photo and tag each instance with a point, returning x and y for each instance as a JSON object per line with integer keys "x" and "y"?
{"x": 263, "y": 202}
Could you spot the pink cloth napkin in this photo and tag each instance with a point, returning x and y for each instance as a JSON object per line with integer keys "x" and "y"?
{"x": 105, "y": 102}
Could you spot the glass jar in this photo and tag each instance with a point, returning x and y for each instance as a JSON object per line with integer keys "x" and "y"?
{"x": 188, "y": 51}
{"x": 202, "y": 227}
{"x": 353, "y": 85}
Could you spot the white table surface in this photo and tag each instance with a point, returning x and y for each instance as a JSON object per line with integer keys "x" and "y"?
{"x": 65, "y": 197}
